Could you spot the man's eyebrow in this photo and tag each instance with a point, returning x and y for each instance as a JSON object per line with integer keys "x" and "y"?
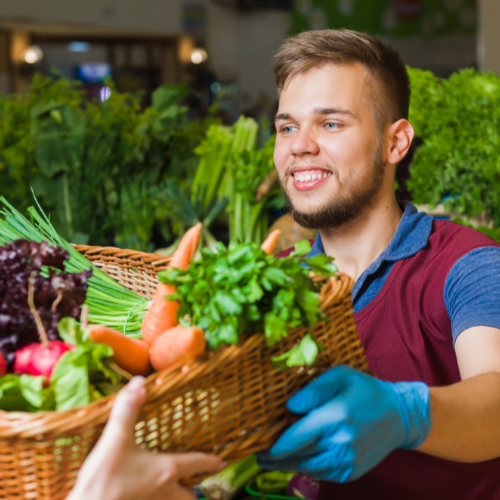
{"x": 332, "y": 111}
{"x": 317, "y": 111}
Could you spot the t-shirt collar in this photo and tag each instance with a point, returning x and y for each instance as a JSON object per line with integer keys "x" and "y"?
{"x": 411, "y": 236}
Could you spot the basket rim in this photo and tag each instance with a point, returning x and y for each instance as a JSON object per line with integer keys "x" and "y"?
{"x": 40, "y": 425}
{"x": 154, "y": 259}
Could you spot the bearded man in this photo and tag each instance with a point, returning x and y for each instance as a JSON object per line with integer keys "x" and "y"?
{"x": 426, "y": 295}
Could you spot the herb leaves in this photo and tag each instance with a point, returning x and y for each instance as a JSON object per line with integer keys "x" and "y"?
{"x": 241, "y": 289}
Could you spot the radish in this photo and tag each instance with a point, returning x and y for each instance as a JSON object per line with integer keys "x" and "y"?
{"x": 39, "y": 359}
{"x": 22, "y": 359}
{"x": 3, "y": 365}
{"x": 44, "y": 357}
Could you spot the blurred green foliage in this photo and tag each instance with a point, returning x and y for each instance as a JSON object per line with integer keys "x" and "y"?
{"x": 459, "y": 121}
{"x": 93, "y": 165}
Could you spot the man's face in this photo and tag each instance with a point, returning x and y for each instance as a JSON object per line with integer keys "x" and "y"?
{"x": 328, "y": 151}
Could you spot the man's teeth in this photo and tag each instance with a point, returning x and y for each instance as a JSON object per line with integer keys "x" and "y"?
{"x": 303, "y": 177}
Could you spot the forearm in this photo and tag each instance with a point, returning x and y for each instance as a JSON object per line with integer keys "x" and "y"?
{"x": 465, "y": 420}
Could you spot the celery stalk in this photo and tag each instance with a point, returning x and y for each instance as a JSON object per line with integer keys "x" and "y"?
{"x": 228, "y": 483}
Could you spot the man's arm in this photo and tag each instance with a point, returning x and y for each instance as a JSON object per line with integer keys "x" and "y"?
{"x": 466, "y": 415}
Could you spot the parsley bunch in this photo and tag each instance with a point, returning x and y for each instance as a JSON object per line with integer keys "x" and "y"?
{"x": 241, "y": 289}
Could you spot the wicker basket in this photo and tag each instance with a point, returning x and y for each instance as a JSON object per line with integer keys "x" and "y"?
{"x": 231, "y": 402}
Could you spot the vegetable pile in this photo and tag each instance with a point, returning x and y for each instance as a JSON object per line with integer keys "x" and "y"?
{"x": 52, "y": 365}
{"x": 110, "y": 303}
{"x": 57, "y": 295}
{"x": 243, "y": 290}
{"x": 57, "y": 363}
{"x": 230, "y": 482}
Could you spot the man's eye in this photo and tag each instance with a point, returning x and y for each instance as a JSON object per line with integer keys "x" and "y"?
{"x": 332, "y": 126}
{"x": 288, "y": 129}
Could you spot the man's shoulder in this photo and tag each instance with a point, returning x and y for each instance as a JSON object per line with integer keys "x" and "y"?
{"x": 449, "y": 232}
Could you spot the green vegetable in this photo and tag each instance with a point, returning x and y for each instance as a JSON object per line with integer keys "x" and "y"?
{"x": 110, "y": 303}
{"x": 228, "y": 483}
{"x": 273, "y": 482}
{"x": 25, "y": 393}
{"x": 79, "y": 377}
{"x": 459, "y": 121}
{"x": 241, "y": 289}
{"x": 76, "y": 371}
{"x": 232, "y": 167}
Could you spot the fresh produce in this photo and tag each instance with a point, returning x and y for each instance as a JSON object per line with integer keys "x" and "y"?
{"x": 57, "y": 294}
{"x": 227, "y": 484}
{"x": 44, "y": 357}
{"x": 3, "y": 366}
{"x": 458, "y": 119}
{"x": 274, "y": 481}
{"x": 232, "y": 167}
{"x": 22, "y": 359}
{"x": 110, "y": 303}
{"x": 242, "y": 290}
{"x": 178, "y": 344}
{"x": 270, "y": 242}
{"x": 52, "y": 374}
{"x": 93, "y": 164}
{"x": 301, "y": 486}
{"x": 162, "y": 315}
{"x": 129, "y": 354}
{"x": 79, "y": 373}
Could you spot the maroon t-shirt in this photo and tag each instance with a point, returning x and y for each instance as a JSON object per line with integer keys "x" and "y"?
{"x": 406, "y": 333}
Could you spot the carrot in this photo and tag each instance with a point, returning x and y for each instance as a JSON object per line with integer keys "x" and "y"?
{"x": 270, "y": 241}
{"x": 175, "y": 345}
{"x": 130, "y": 354}
{"x": 162, "y": 314}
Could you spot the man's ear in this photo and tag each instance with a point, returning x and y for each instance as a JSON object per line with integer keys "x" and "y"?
{"x": 401, "y": 134}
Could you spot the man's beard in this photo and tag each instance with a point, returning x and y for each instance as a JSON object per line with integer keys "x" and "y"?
{"x": 343, "y": 208}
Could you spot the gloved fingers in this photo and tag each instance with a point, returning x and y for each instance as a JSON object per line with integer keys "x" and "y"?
{"x": 323, "y": 389}
{"x": 307, "y": 452}
{"x": 288, "y": 465}
{"x": 334, "y": 465}
{"x": 296, "y": 439}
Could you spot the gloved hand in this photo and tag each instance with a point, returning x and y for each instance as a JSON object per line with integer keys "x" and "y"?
{"x": 353, "y": 421}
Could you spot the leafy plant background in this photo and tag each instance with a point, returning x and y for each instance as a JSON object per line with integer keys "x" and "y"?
{"x": 459, "y": 121}
{"x": 92, "y": 165}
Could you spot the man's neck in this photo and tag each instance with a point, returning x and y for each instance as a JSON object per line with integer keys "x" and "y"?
{"x": 357, "y": 244}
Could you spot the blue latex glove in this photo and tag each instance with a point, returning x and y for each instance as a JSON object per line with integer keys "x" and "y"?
{"x": 353, "y": 421}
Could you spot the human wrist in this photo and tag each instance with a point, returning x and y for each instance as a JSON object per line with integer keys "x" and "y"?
{"x": 415, "y": 412}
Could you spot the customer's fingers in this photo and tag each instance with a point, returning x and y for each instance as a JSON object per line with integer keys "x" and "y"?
{"x": 123, "y": 417}
{"x": 189, "y": 464}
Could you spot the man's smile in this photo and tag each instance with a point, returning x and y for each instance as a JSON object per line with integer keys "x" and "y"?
{"x": 307, "y": 178}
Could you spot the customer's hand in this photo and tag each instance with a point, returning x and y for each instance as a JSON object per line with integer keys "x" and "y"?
{"x": 118, "y": 469}
{"x": 353, "y": 421}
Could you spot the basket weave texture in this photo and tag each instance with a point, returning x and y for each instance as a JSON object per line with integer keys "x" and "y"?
{"x": 231, "y": 402}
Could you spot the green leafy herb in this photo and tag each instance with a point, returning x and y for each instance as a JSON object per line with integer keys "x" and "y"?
{"x": 459, "y": 121}
{"x": 240, "y": 289}
{"x": 304, "y": 353}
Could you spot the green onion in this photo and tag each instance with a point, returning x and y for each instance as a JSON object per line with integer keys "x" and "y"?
{"x": 228, "y": 483}
{"x": 110, "y": 303}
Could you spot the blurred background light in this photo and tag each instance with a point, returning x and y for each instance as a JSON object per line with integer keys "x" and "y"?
{"x": 78, "y": 46}
{"x": 215, "y": 87}
{"x": 105, "y": 94}
{"x": 198, "y": 56}
{"x": 33, "y": 54}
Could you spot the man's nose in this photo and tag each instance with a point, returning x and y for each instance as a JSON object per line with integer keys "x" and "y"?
{"x": 304, "y": 143}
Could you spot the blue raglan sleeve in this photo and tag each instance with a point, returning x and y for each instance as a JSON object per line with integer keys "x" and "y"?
{"x": 472, "y": 291}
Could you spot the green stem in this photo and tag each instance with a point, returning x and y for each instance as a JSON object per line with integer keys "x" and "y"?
{"x": 67, "y": 205}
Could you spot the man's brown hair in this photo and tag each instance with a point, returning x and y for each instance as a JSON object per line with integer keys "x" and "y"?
{"x": 384, "y": 64}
